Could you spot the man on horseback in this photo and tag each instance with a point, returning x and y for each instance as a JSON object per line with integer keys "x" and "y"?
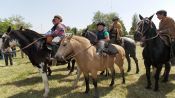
{"x": 167, "y": 26}
{"x": 116, "y": 31}
{"x": 102, "y": 37}
{"x": 58, "y": 30}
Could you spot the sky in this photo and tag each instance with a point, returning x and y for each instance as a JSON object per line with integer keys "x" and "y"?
{"x": 79, "y": 13}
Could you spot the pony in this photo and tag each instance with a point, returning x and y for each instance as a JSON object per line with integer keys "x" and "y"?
{"x": 155, "y": 51}
{"x": 127, "y": 43}
{"x": 88, "y": 61}
{"x": 33, "y": 45}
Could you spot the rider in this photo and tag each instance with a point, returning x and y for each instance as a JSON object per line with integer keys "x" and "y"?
{"x": 167, "y": 26}
{"x": 58, "y": 30}
{"x": 102, "y": 37}
{"x": 116, "y": 31}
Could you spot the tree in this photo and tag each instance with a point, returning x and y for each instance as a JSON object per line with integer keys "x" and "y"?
{"x": 106, "y": 18}
{"x": 134, "y": 24}
{"x": 15, "y": 22}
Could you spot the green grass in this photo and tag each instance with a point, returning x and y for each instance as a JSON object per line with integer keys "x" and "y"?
{"x": 22, "y": 80}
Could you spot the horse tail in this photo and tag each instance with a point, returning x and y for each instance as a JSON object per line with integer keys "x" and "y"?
{"x": 119, "y": 60}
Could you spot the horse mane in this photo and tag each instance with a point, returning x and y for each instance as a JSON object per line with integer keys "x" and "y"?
{"x": 31, "y": 33}
{"x": 81, "y": 39}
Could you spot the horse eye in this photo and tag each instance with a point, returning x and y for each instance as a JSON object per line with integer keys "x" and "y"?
{"x": 64, "y": 44}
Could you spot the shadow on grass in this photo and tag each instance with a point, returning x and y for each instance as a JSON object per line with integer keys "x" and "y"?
{"x": 138, "y": 90}
{"x": 34, "y": 80}
{"x": 38, "y": 94}
{"x": 63, "y": 92}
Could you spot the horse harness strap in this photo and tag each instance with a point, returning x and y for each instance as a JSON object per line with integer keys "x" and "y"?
{"x": 69, "y": 57}
{"x": 30, "y": 44}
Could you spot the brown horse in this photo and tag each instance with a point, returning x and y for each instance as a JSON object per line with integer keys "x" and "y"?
{"x": 87, "y": 59}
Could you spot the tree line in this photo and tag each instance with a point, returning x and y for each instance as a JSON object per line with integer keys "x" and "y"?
{"x": 17, "y": 21}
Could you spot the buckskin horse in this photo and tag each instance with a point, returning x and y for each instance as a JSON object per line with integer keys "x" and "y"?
{"x": 155, "y": 52}
{"x": 88, "y": 61}
{"x": 127, "y": 43}
{"x": 33, "y": 45}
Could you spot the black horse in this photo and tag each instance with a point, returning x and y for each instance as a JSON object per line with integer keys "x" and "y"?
{"x": 37, "y": 52}
{"x": 127, "y": 43}
{"x": 155, "y": 52}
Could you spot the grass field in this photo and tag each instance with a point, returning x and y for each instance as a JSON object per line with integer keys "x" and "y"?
{"x": 22, "y": 80}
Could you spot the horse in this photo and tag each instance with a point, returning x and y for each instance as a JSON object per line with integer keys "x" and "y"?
{"x": 33, "y": 45}
{"x": 88, "y": 61}
{"x": 155, "y": 51}
{"x": 127, "y": 43}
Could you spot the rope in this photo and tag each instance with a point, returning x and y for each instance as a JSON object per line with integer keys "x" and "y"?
{"x": 29, "y": 44}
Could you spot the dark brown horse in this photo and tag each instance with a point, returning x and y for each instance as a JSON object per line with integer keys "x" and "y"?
{"x": 155, "y": 52}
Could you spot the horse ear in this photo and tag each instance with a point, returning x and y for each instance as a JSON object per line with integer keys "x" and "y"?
{"x": 21, "y": 28}
{"x": 150, "y": 18}
{"x": 140, "y": 16}
{"x": 69, "y": 37}
{"x": 9, "y": 29}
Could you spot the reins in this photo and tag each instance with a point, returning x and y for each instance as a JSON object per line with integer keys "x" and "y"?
{"x": 30, "y": 44}
{"x": 71, "y": 56}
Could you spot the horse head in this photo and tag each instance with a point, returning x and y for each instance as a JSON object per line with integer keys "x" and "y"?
{"x": 8, "y": 39}
{"x": 65, "y": 49}
{"x": 90, "y": 35}
{"x": 145, "y": 29}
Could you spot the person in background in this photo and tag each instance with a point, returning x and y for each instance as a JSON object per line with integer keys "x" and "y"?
{"x": 8, "y": 56}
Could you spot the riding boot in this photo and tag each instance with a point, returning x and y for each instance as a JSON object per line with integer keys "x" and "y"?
{"x": 49, "y": 46}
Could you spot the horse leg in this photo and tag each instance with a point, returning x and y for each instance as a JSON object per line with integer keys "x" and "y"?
{"x": 49, "y": 71}
{"x": 136, "y": 62}
{"x": 42, "y": 71}
{"x": 78, "y": 77}
{"x": 102, "y": 72}
{"x": 122, "y": 71}
{"x": 86, "y": 76}
{"x": 166, "y": 73}
{"x": 68, "y": 66}
{"x": 112, "y": 75}
{"x": 129, "y": 62}
{"x": 73, "y": 66}
{"x": 156, "y": 76}
{"x": 147, "y": 66}
{"x": 94, "y": 79}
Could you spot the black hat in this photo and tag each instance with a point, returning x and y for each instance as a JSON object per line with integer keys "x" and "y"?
{"x": 115, "y": 18}
{"x": 162, "y": 12}
{"x": 101, "y": 23}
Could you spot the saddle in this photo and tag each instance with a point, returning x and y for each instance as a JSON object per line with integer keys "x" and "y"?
{"x": 166, "y": 38}
{"x": 110, "y": 49}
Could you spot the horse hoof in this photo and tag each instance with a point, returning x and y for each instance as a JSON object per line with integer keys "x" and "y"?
{"x": 86, "y": 92}
{"x": 156, "y": 89}
{"x": 128, "y": 70}
{"x": 111, "y": 85}
{"x": 137, "y": 72}
{"x": 164, "y": 80}
{"x": 96, "y": 97}
{"x": 148, "y": 87}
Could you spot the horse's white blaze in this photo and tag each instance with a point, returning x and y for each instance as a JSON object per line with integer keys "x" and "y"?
{"x": 13, "y": 43}
{"x": 45, "y": 80}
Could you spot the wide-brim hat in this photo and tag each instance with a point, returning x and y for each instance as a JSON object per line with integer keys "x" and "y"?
{"x": 59, "y": 17}
{"x": 115, "y": 18}
{"x": 101, "y": 23}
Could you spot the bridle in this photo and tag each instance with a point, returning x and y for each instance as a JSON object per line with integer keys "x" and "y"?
{"x": 142, "y": 31}
{"x": 72, "y": 56}
{"x": 25, "y": 47}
